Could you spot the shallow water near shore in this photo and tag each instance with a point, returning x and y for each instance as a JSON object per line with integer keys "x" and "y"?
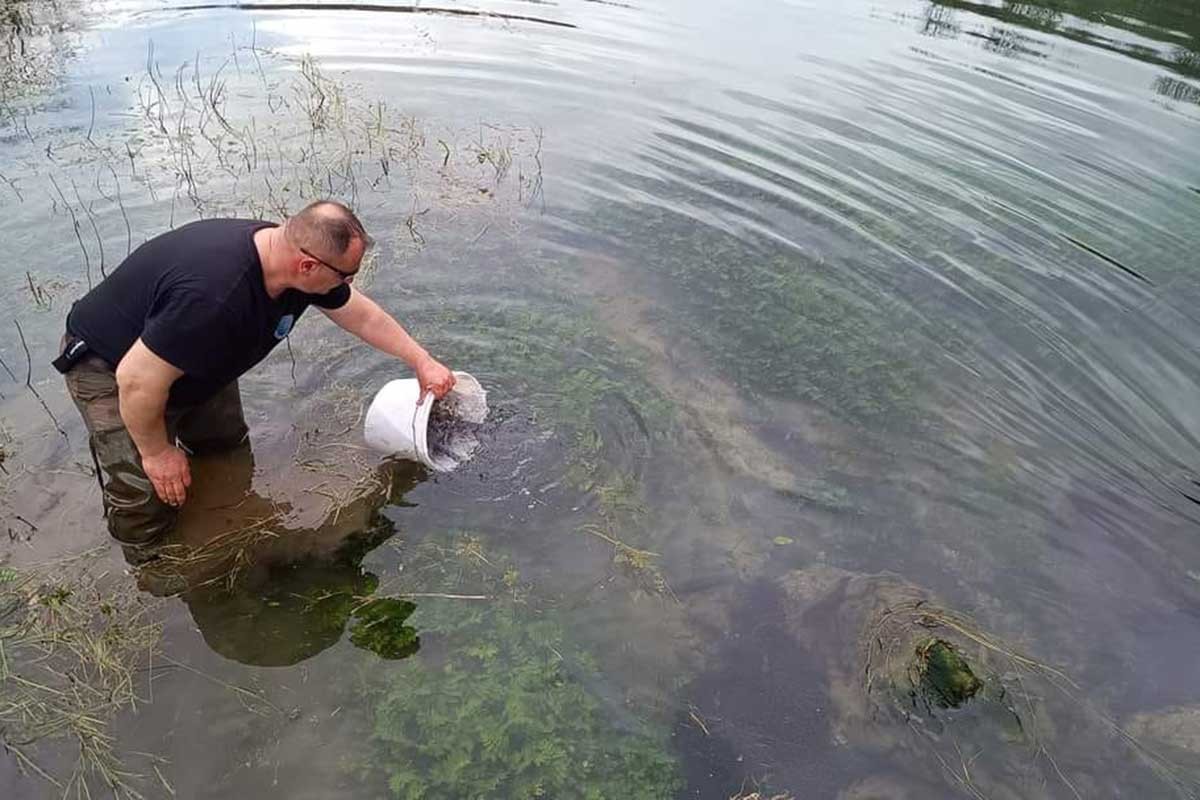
{"x": 806, "y": 328}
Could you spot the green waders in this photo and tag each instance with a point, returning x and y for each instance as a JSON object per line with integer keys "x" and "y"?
{"x": 136, "y": 516}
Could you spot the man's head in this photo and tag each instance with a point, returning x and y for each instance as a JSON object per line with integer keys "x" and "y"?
{"x": 328, "y": 243}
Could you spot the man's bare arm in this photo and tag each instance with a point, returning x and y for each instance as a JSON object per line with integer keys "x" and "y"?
{"x": 363, "y": 317}
{"x": 144, "y": 383}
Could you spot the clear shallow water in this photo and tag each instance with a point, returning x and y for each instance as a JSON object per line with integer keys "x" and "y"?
{"x": 772, "y": 292}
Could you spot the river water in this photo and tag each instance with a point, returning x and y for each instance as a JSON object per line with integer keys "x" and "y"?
{"x": 789, "y": 313}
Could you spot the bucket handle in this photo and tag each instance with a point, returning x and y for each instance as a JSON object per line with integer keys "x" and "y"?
{"x": 429, "y": 397}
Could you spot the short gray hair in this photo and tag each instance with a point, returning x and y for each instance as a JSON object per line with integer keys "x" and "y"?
{"x": 327, "y": 226}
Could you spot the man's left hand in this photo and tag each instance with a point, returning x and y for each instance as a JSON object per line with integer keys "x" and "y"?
{"x": 434, "y": 378}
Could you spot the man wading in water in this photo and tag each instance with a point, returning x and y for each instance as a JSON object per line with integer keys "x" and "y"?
{"x": 152, "y": 355}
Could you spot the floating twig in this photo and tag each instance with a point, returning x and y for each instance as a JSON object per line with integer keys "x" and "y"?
{"x": 92, "y": 122}
{"x": 12, "y": 186}
{"x": 95, "y": 229}
{"x": 232, "y": 687}
{"x": 87, "y": 262}
{"x": 292, "y": 356}
{"x": 120, "y": 204}
{"x": 39, "y": 294}
{"x": 29, "y": 380}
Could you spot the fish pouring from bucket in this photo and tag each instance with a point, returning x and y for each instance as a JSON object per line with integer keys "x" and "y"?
{"x": 450, "y": 435}
{"x": 441, "y": 434}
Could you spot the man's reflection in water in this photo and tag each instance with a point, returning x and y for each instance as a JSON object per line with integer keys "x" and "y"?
{"x": 268, "y": 595}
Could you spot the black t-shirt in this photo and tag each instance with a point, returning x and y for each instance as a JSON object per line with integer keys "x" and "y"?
{"x": 196, "y": 297}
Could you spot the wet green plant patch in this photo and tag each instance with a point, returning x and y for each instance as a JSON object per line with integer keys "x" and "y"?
{"x": 943, "y": 674}
{"x": 619, "y": 517}
{"x": 503, "y": 714}
{"x": 284, "y": 613}
{"x": 554, "y": 359}
{"x": 73, "y": 649}
{"x": 379, "y": 627}
{"x": 781, "y": 329}
{"x": 554, "y": 364}
{"x": 775, "y": 321}
{"x": 501, "y": 702}
{"x": 959, "y": 689}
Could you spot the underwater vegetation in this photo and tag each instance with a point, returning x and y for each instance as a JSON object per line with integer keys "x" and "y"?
{"x": 501, "y": 703}
{"x": 73, "y": 652}
{"x": 257, "y": 608}
{"x": 555, "y": 358}
{"x": 35, "y": 41}
{"x": 923, "y": 685}
{"x": 1026, "y": 720}
{"x": 503, "y": 715}
{"x": 786, "y": 331}
{"x": 943, "y": 673}
{"x": 379, "y": 627}
{"x": 559, "y": 368}
{"x": 297, "y": 611}
{"x": 772, "y": 320}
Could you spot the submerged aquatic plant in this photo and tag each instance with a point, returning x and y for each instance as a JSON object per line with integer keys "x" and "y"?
{"x": 944, "y": 675}
{"x": 556, "y": 360}
{"x": 501, "y": 703}
{"x": 575, "y": 380}
{"x": 35, "y": 41}
{"x": 507, "y": 713}
{"x": 71, "y": 647}
{"x": 379, "y": 627}
{"x": 1015, "y": 700}
{"x": 619, "y": 509}
{"x": 774, "y": 320}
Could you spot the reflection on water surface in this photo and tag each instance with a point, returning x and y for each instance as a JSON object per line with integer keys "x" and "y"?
{"x": 832, "y": 347}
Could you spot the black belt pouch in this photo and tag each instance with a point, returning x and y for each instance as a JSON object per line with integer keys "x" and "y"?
{"x": 73, "y": 352}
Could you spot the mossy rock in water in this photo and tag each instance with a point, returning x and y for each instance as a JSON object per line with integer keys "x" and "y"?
{"x": 943, "y": 674}
{"x": 920, "y": 684}
{"x": 379, "y": 627}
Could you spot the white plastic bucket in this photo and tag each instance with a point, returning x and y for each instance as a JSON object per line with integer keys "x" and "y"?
{"x": 397, "y": 425}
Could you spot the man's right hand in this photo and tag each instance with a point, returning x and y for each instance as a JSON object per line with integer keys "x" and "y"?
{"x": 168, "y": 471}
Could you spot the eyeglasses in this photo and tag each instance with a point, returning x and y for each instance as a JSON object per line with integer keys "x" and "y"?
{"x": 345, "y": 276}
